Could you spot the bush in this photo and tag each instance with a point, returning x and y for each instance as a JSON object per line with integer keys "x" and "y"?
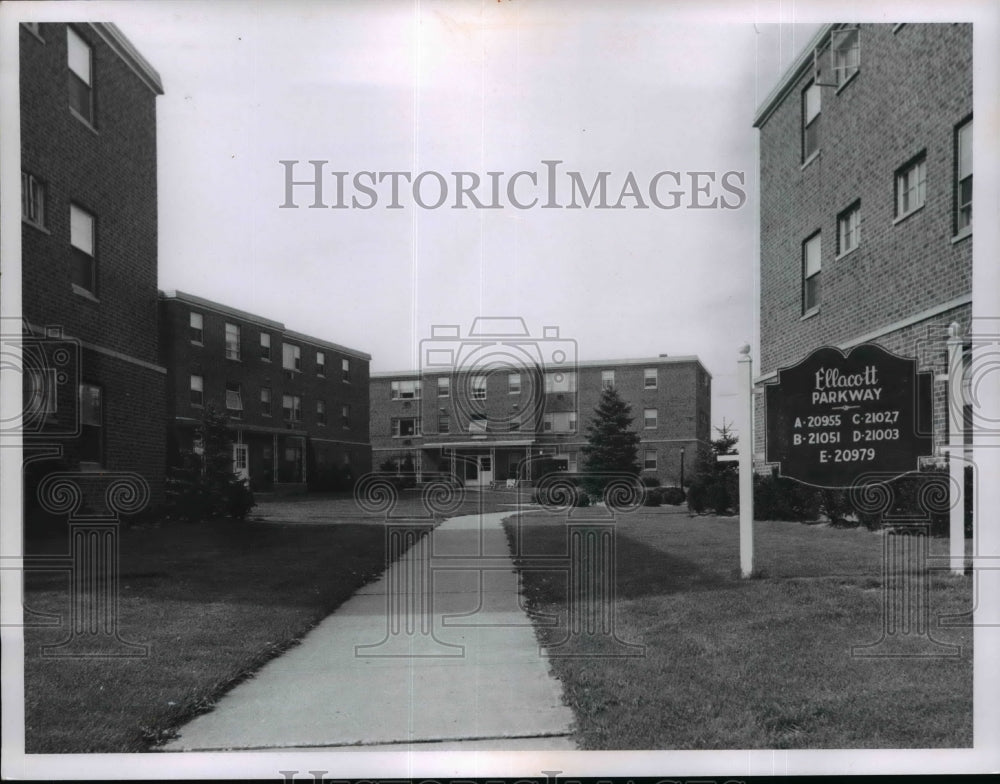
{"x": 672, "y": 495}
{"x": 554, "y": 496}
{"x": 654, "y": 496}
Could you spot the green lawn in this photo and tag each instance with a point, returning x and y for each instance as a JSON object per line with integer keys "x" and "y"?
{"x": 214, "y": 601}
{"x": 764, "y": 663}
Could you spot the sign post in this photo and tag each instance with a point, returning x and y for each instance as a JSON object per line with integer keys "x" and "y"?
{"x": 745, "y": 426}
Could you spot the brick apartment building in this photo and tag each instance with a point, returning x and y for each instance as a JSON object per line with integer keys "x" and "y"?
{"x": 489, "y": 420}
{"x": 866, "y": 198}
{"x": 298, "y": 404}
{"x": 89, "y": 250}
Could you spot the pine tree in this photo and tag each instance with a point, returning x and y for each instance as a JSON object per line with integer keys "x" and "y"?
{"x": 612, "y": 446}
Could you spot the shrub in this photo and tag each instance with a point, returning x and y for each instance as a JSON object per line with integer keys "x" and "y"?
{"x": 548, "y": 495}
{"x": 654, "y": 496}
{"x": 672, "y": 495}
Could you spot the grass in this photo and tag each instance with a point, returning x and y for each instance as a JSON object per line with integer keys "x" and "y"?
{"x": 213, "y": 601}
{"x": 760, "y": 663}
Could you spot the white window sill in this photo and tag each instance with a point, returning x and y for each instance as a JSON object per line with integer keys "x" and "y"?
{"x": 810, "y": 313}
{"x": 35, "y": 225}
{"x": 906, "y": 215}
{"x": 964, "y": 234}
{"x": 82, "y": 292}
{"x": 847, "y": 81}
{"x": 89, "y": 125}
{"x": 845, "y": 253}
{"x": 809, "y": 160}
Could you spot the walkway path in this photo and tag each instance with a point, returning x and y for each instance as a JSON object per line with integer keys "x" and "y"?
{"x": 479, "y": 685}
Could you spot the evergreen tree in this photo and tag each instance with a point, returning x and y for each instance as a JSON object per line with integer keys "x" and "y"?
{"x": 612, "y": 446}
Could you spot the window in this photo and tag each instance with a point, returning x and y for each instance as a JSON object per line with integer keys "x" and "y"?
{"x": 197, "y": 323}
{"x": 607, "y": 379}
{"x": 265, "y": 401}
{"x": 479, "y": 387}
{"x": 234, "y": 399}
{"x": 232, "y": 341}
{"x": 571, "y": 462}
{"x": 321, "y": 412}
{"x": 291, "y": 357}
{"x": 291, "y": 406}
{"x": 810, "y": 120}
{"x": 345, "y": 417}
{"x": 846, "y": 54}
{"x": 649, "y": 418}
{"x": 478, "y": 424}
{"x": 197, "y": 391}
{"x": 559, "y": 422}
{"x": 513, "y": 383}
{"x": 911, "y": 186}
{"x": 403, "y": 428}
{"x": 560, "y": 382}
{"x": 32, "y": 200}
{"x": 345, "y": 368}
{"x": 810, "y": 273}
{"x": 91, "y": 441}
{"x": 265, "y": 346}
{"x": 963, "y": 177}
{"x": 81, "y": 92}
{"x": 649, "y": 460}
{"x": 849, "y": 229}
{"x": 320, "y": 363}
{"x": 81, "y": 233}
{"x": 405, "y": 390}
{"x": 444, "y": 386}
{"x": 514, "y": 425}
{"x": 649, "y": 378}
{"x": 444, "y": 423}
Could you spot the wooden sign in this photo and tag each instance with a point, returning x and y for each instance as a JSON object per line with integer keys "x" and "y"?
{"x": 834, "y": 416}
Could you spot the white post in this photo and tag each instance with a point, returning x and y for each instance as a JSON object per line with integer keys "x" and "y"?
{"x": 956, "y": 451}
{"x": 745, "y": 427}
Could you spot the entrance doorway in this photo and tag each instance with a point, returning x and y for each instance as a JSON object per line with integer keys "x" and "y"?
{"x": 241, "y": 462}
{"x": 479, "y": 471}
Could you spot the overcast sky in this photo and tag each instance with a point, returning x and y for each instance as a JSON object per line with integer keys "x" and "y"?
{"x": 637, "y": 87}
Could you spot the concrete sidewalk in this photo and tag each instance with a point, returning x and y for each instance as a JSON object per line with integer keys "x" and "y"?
{"x": 451, "y": 662}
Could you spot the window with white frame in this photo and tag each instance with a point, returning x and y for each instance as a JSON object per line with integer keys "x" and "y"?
{"x": 478, "y": 424}
{"x": 320, "y": 412}
{"x": 404, "y": 427}
{"x": 513, "y": 383}
{"x": 291, "y": 406}
{"x": 409, "y": 389}
{"x": 32, "y": 199}
{"x": 911, "y": 186}
{"x": 234, "y": 399}
{"x": 91, "y": 441}
{"x": 265, "y": 401}
{"x": 345, "y": 416}
{"x": 478, "y": 386}
{"x": 320, "y": 363}
{"x": 649, "y": 378}
{"x": 963, "y": 176}
{"x": 81, "y": 76}
{"x": 650, "y": 418}
{"x": 265, "y": 346}
{"x": 560, "y": 382}
{"x": 444, "y": 386}
{"x": 846, "y": 49}
{"x": 196, "y": 322}
{"x": 444, "y": 423}
{"x": 345, "y": 370}
{"x": 649, "y": 460}
{"x": 82, "y": 239}
{"x": 559, "y": 422}
{"x": 849, "y": 229}
{"x": 197, "y": 391}
{"x": 810, "y": 120}
{"x": 291, "y": 357}
{"x": 811, "y": 268}
{"x": 572, "y": 463}
{"x": 607, "y": 379}
{"x": 232, "y": 341}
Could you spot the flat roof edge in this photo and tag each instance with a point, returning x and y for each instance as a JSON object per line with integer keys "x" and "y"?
{"x": 792, "y": 75}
